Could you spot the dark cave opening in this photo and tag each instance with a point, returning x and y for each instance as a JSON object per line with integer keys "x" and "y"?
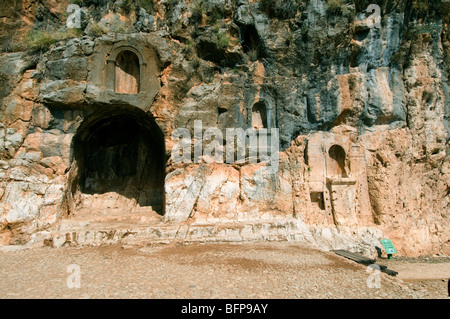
{"x": 252, "y": 44}
{"x": 123, "y": 152}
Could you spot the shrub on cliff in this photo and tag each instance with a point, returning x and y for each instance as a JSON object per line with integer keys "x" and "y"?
{"x": 213, "y": 11}
{"x": 96, "y": 29}
{"x": 223, "y": 40}
{"x": 39, "y": 40}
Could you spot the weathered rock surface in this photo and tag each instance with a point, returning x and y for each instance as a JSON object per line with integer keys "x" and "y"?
{"x": 362, "y": 113}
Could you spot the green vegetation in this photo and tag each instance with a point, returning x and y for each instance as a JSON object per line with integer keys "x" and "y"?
{"x": 223, "y": 40}
{"x": 123, "y": 27}
{"x": 197, "y": 12}
{"x": 200, "y": 7}
{"x": 127, "y": 6}
{"x": 38, "y": 40}
{"x": 148, "y": 5}
{"x": 97, "y": 29}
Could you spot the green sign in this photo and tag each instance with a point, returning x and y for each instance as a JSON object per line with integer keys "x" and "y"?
{"x": 388, "y": 246}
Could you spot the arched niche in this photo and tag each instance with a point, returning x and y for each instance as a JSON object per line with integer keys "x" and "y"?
{"x": 259, "y": 116}
{"x": 127, "y": 73}
{"x": 337, "y": 162}
{"x": 125, "y": 70}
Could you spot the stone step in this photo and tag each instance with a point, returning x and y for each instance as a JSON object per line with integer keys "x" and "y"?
{"x": 95, "y": 233}
{"x": 110, "y": 217}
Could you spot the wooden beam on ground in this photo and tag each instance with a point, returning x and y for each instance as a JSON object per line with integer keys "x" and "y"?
{"x": 364, "y": 260}
{"x": 355, "y": 257}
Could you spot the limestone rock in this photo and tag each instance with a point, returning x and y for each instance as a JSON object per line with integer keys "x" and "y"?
{"x": 360, "y": 113}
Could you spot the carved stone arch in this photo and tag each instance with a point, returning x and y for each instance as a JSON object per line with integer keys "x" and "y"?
{"x": 116, "y": 50}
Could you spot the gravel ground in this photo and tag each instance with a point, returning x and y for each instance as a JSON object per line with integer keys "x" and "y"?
{"x": 215, "y": 270}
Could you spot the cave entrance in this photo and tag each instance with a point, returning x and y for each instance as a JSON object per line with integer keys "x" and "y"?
{"x": 120, "y": 160}
{"x": 252, "y": 43}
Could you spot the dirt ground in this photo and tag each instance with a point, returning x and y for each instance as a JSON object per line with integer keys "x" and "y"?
{"x": 214, "y": 270}
{"x": 422, "y": 273}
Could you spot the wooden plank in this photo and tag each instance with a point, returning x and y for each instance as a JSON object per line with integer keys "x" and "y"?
{"x": 364, "y": 260}
{"x": 390, "y": 272}
{"x": 385, "y": 269}
{"x": 382, "y": 267}
{"x": 355, "y": 257}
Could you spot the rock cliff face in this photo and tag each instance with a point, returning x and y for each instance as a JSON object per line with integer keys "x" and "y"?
{"x": 355, "y": 100}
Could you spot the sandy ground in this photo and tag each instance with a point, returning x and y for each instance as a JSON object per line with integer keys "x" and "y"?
{"x": 215, "y": 270}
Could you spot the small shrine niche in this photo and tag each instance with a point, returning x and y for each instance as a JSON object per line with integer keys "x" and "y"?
{"x": 125, "y": 69}
{"x": 259, "y": 116}
{"x": 336, "y": 166}
{"x": 127, "y": 73}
